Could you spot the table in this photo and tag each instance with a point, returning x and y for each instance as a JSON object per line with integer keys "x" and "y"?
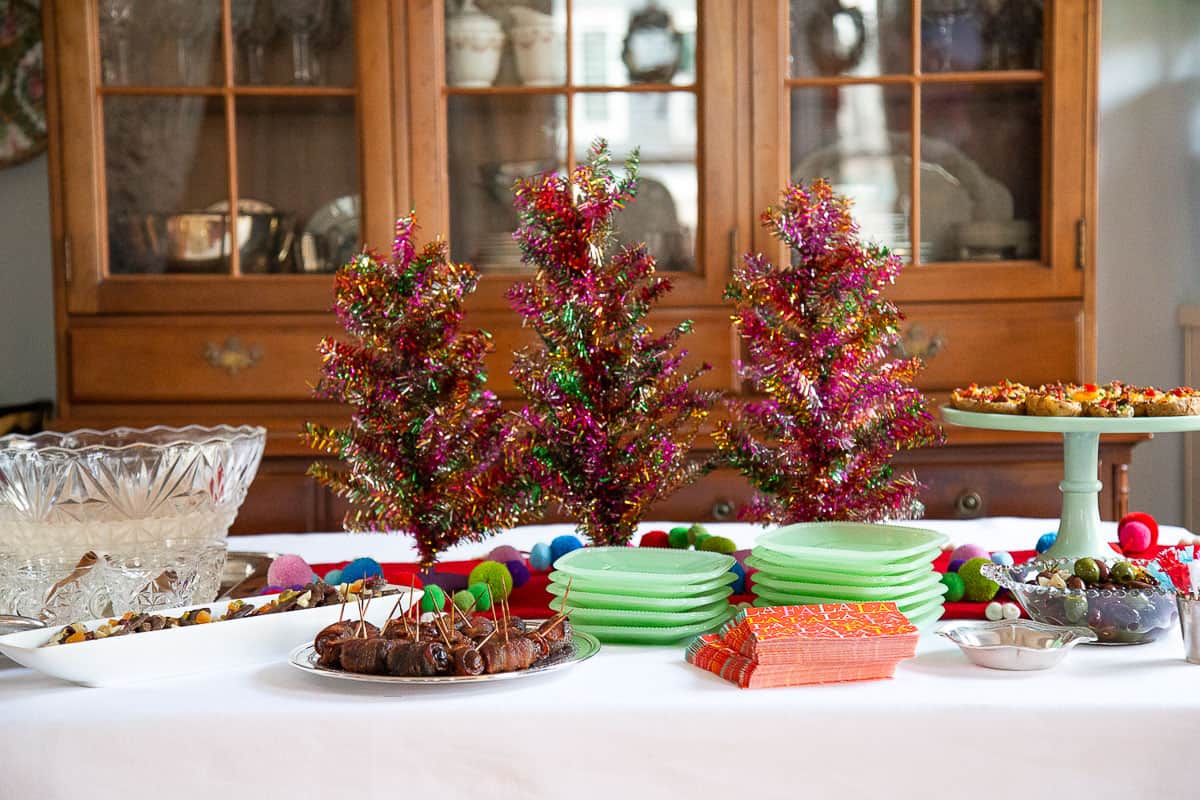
{"x": 631, "y": 722}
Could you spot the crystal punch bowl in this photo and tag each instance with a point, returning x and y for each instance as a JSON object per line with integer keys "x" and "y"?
{"x": 121, "y": 495}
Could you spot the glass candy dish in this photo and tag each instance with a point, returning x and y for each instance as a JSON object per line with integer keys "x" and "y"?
{"x": 60, "y": 586}
{"x": 118, "y": 489}
{"x": 1116, "y": 616}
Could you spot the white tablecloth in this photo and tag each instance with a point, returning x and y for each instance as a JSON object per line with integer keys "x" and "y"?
{"x": 631, "y": 722}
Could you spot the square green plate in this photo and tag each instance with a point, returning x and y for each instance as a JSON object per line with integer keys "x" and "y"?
{"x": 644, "y": 566}
{"x": 808, "y": 575}
{"x": 614, "y": 585}
{"x": 618, "y": 634}
{"x": 622, "y": 602}
{"x": 640, "y": 619}
{"x": 861, "y": 593}
{"x": 832, "y": 562}
{"x": 851, "y": 542}
{"x": 904, "y": 602}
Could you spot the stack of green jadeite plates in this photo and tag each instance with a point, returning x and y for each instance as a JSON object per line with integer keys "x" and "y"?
{"x": 848, "y": 562}
{"x": 643, "y": 595}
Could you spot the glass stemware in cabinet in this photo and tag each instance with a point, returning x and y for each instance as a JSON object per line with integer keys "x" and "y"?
{"x": 117, "y": 21}
{"x": 193, "y": 25}
{"x": 254, "y": 27}
{"x": 301, "y": 19}
{"x": 849, "y": 37}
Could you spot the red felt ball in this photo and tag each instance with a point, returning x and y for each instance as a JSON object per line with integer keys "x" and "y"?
{"x": 1134, "y": 537}
{"x": 1147, "y": 520}
{"x": 655, "y": 539}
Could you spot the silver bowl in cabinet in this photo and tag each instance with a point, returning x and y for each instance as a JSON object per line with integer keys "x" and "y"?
{"x": 1013, "y": 644}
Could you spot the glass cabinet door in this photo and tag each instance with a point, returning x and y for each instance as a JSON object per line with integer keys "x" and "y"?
{"x": 528, "y": 85}
{"x": 230, "y": 144}
{"x": 938, "y": 118}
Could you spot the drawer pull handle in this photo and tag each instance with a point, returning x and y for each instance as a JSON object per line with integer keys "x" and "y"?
{"x": 917, "y": 343}
{"x": 232, "y": 356}
{"x": 968, "y": 504}
{"x": 722, "y": 510}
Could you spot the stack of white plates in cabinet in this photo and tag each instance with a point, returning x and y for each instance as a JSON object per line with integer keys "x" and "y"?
{"x": 845, "y": 562}
{"x": 643, "y": 595}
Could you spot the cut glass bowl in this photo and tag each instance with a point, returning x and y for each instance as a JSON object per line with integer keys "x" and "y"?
{"x": 1116, "y": 616}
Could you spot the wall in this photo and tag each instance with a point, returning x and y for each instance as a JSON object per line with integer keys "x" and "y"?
{"x": 26, "y": 301}
{"x": 1149, "y": 225}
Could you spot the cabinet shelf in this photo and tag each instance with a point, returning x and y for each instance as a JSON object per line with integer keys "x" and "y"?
{"x": 220, "y": 91}
{"x": 631, "y": 88}
{"x": 982, "y": 76}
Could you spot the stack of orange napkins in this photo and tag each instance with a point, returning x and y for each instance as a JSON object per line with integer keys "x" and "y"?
{"x": 793, "y": 645}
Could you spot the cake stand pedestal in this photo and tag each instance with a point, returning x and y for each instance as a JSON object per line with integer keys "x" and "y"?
{"x": 1079, "y": 531}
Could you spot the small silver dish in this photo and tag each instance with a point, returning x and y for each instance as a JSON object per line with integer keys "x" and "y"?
{"x": 1014, "y": 644}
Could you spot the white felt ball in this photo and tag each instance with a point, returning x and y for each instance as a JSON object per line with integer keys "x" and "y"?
{"x": 994, "y": 611}
{"x": 1012, "y": 611}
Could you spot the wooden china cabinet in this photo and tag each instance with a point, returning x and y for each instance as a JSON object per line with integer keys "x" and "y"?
{"x": 212, "y": 161}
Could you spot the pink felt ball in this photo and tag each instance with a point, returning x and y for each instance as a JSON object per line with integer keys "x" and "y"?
{"x": 1134, "y": 537}
{"x": 965, "y": 552}
{"x": 288, "y": 571}
{"x": 505, "y": 553}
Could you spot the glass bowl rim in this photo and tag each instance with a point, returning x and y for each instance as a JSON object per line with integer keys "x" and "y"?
{"x": 45, "y": 443}
{"x": 1004, "y": 575}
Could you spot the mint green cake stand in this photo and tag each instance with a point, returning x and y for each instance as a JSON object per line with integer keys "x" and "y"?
{"x": 1079, "y": 532}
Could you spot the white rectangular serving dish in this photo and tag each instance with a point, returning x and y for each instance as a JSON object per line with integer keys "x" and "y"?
{"x": 171, "y": 652}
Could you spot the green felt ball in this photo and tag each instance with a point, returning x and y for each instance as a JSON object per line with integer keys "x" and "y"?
{"x": 433, "y": 599}
{"x": 482, "y": 594}
{"x": 976, "y": 588}
{"x": 679, "y": 539}
{"x": 954, "y": 587}
{"x": 718, "y": 544}
{"x": 464, "y": 600}
{"x": 701, "y": 538}
{"x": 494, "y": 574}
{"x": 697, "y": 530}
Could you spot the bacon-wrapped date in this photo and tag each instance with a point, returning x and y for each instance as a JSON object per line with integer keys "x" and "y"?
{"x": 365, "y": 656}
{"x": 466, "y": 659}
{"x": 515, "y": 654}
{"x": 412, "y": 659}
{"x": 343, "y": 630}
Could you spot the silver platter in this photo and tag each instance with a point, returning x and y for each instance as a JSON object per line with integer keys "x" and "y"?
{"x": 584, "y": 645}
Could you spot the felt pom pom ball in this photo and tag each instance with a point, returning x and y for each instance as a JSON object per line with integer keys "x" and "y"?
{"x": 679, "y": 538}
{"x": 519, "y": 572}
{"x": 994, "y": 611}
{"x": 697, "y": 530}
{"x": 1045, "y": 542}
{"x": 1012, "y": 611}
{"x": 966, "y": 552}
{"x": 655, "y": 539}
{"x": 718, "y": 544}
{"x": 503, "y": 553}
{"x": 482, "y": 595}
{"x": 540, "y": 557}
{"x": 738, "y": 586}
{"x": 976, "y": 588}
{"x": 495, "y": 575}
{"x": 1137, "y": 532}
{"x": 360, "y": 568}
{"x": 333, "y": 577}
{"x": 954, "y": 587}
{"x": 701, "y": 538}
{"x": 289, "y": 571}
{"x": 464, "y": 600}
{"x": 434, "y": 598}
{"x": 955, "y": 565}
{"x": 563, "y": 545}
{"x": 1002, "y": 558}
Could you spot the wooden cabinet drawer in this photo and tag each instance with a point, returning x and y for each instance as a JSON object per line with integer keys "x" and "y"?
{"x": 1035, "y": 342}
{"x": 195, "y": 361}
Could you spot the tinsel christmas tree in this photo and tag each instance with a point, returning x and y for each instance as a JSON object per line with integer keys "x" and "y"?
{"x": 836, "y": 407}
{"x": 610, "y": 414}
{"x": 424, "y": 452}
